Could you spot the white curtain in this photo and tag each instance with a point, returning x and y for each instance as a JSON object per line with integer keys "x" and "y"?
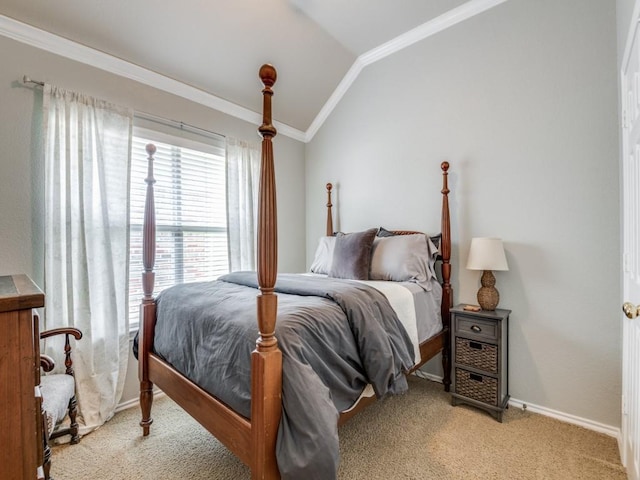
{"x": 87, "y": 157}
{"x": 243, "y": 177}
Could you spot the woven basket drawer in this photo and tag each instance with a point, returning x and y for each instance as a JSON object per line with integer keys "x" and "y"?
{"x": 476, "y": 386}
{"x": 480, "y": 355}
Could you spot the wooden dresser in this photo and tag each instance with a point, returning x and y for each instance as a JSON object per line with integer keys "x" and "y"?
{"x": 21, "y": 415}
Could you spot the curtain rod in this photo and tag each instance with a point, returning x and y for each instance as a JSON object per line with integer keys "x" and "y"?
{"x": 27, "y": 79}
{"x": 177, "y": 124}
{"x": 148, "y": 116}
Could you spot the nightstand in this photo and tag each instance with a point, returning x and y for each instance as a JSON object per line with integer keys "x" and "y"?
{"x": 479, "y": 349}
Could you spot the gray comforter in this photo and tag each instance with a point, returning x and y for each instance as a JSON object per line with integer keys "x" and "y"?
{"x": 335, "y": 335}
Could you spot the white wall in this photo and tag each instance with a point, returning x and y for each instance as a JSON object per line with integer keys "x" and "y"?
{"x": 522, "y": 101}
{"x": 21, "y": 180}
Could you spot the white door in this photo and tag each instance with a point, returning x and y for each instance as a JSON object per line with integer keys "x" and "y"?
{"x": 630, "y": 97}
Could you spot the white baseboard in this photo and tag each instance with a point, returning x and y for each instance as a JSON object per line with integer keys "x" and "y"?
{"x": 134, "y": 402}
{"x": 547, "y": 412}
{"x": 568, "y": 418}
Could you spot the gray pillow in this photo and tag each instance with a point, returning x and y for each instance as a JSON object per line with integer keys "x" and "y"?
{"x": 403, "y": 258}
{"x": 436, "y": 239}
{"x": 352, "y": 255}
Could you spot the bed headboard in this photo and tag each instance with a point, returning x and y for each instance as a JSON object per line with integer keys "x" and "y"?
{"x": 445, "y": 242}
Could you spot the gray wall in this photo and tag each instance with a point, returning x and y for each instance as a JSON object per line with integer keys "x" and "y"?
{"x": 522, "y": 101}
{"x": 21, "y": 167}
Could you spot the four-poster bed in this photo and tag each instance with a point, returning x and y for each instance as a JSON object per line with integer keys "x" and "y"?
{"x": 253, "y": 435}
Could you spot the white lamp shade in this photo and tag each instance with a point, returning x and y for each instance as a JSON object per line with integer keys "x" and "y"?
{"x": 487, "y": 254}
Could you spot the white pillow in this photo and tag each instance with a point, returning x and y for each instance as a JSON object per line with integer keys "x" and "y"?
{"x": 324, "y": 255}
{"x": 403, "y": 258}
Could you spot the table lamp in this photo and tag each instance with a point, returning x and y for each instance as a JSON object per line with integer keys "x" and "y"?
{"x": 487, "y": 254}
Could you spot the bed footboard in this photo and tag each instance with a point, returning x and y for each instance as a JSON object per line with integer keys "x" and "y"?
{"x": 254, "y": 442}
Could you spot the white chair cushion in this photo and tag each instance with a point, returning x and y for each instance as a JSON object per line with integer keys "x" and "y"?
{"x": 57, "y": 389}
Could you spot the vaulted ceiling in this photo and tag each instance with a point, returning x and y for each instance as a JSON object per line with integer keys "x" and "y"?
{"x": 216, "y": 47}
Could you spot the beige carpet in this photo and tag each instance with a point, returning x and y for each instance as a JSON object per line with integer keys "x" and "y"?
{"x": 414, "y": 436}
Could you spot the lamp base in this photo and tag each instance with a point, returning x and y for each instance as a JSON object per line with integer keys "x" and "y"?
{"x": 488, "y": 296}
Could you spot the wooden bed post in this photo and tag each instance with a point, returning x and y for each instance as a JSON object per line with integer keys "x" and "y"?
{"x": 266, "y": 359}
{"x": 148, "y": 307}
{"x": 329, "y": 214}
{"x": 447, "y": 292}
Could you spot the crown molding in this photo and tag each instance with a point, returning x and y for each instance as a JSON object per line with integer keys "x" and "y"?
{"x": 436, "y": 25}
{"x": 49, "y": 42}
{"x": 43, "y": 40}
{"x": 334, "y": 99}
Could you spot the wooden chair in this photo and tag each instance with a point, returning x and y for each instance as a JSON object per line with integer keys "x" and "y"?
{"x": 58, "y": 395}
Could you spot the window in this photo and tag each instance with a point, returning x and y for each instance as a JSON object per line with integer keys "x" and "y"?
{"x": 190, "y": 207}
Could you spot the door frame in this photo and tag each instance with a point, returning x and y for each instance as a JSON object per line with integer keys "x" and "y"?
{"x": 626, "y": 454}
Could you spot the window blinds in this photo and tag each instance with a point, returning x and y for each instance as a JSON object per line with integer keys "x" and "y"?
{"x": 191, "y": 218}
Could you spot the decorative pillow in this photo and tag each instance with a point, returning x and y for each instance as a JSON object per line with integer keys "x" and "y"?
{"x": 324, "y": 255}
{"x": 352, "y": 255}
{"x": 403, "y": 258}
